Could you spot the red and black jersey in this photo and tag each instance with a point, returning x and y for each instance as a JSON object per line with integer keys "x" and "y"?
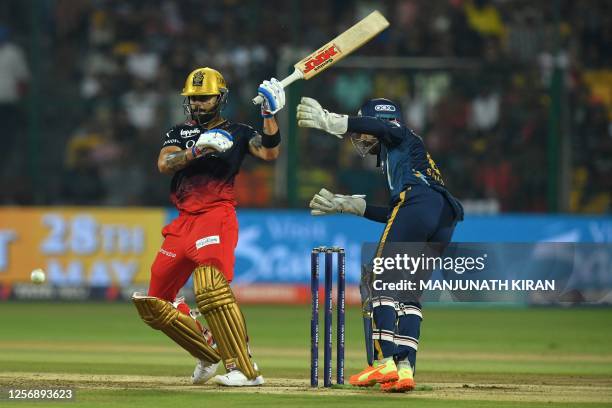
{"x": 207, "y": 182}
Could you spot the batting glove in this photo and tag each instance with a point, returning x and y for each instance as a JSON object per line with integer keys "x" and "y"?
{"x": 311, "y": 114}
{"x": 273, "y": 95}
{"x": 218, "y": 140}
{"x": 326, "y": 202}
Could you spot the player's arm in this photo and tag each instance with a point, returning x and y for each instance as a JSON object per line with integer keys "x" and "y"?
{"x": 312, "y": 115}
{"x": 172, "y": 159}
{"x": 376, "y": 213}
{"x": 266, "y": 146}
{"x": 389, "y": 133}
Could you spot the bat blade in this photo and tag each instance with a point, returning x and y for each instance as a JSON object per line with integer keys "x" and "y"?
{"x": 342, "y": 45}
{"x": 336, "y": 49}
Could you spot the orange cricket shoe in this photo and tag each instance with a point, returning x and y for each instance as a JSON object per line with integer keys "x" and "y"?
{"x": 379, "y": 373}
{"x": 404, "y": 383}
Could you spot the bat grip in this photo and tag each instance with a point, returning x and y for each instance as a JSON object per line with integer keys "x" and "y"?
{"x": 297, "y": 74}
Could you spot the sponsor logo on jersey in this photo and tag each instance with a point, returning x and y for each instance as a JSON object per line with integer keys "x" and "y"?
{"x": 321, "y": 59}
{"x": 202, "y": 242}
{"x": 384, "y": 108}
{"x": 168, "y": 141}
{"x": 189, "y": 132}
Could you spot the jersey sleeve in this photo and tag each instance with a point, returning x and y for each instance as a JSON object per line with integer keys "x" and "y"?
{"x": 172, "y": 138}
{"x": 389, "y": 133}
{"x": 376, "y": 213}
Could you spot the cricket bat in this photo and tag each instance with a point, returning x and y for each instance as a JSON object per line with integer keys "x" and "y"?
{"x": 336, "y": 49}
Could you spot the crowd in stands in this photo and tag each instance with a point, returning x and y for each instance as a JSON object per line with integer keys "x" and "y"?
{"x": 509, "y": 96}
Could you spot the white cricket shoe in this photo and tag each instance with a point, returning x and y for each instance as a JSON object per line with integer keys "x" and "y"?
{"x": 236, "y": 378}
{"x": 204, "y": 371}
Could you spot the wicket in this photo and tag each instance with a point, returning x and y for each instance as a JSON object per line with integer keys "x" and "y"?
{"x": 314, "y": 321}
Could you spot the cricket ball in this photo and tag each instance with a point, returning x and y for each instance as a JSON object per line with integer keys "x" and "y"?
{"x": 37, "y": 276}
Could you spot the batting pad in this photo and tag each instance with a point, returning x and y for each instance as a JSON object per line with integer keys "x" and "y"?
{"x": 217, "y": 303}
{"x": 180, "y": 327}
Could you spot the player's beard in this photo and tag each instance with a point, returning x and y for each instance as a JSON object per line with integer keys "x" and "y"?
{"x": 200, "y": 116}
{"x": 203, "y": 118}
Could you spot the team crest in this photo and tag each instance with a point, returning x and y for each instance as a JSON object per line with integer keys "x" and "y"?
{"x": 198, "y": 78}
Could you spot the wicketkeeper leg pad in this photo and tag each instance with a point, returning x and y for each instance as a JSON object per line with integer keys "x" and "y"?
{"x": 383, "y": 334}
{"x": 217, "y": 303}
{"x": 181, "y": 328}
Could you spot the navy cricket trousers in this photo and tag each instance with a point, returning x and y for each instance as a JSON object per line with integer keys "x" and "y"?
{"x": 421, "y": 215}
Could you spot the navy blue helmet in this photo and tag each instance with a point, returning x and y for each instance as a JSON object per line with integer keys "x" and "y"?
{"x": 381, "y": 108}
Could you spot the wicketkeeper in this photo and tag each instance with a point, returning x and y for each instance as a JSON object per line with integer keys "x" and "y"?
{"x": 421, "y": 209}
{"x": 204, "y": 155}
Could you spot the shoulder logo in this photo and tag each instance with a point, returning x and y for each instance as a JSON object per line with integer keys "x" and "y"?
{"x": 189, "y": 132}
{"x": 384, "y": 108}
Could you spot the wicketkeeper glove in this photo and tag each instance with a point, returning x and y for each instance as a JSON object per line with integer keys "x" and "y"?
{"x": 218, "y": 140}
{"x": 311, "y": 114}
{"x": 325, "y": 202}
{"x": 273, "y": 95}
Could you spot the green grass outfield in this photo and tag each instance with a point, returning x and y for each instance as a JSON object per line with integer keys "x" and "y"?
{"x": 502, "y": 357}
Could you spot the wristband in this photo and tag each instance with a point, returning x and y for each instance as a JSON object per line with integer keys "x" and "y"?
{"x": 270, "y": 141}
{"x": 194, "y": 151}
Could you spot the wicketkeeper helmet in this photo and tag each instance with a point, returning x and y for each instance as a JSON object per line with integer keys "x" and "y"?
{"x": 381, "y": 108}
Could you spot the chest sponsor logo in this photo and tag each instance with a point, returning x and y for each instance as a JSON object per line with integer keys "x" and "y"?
{"x": 168, "y": 141}
{"x": 189, "y": 132}
{"x": 202, "y": 242}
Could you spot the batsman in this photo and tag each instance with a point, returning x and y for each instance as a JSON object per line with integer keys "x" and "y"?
{"x": 421, "y": 209}
{"x": 203, "y": 155}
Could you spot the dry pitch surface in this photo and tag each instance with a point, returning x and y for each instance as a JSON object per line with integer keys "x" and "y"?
{"x": 552, "y": 390}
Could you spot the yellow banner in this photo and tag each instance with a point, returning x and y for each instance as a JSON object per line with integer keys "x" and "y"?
{"x": 79, "y": 245}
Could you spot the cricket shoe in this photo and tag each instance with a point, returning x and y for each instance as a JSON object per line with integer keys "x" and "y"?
{"x": 380, "y": 373}
{"x": 204, "y": 371}
{"x": 235, "y": 378}
{"x": 404, "y": 383}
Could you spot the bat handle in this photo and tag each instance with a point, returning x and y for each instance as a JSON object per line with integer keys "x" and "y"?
{"x": 297, "y": 74}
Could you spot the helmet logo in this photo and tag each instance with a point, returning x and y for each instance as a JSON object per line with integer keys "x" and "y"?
{"x": 198, "y": 78}
{"x": 384, "y": 108}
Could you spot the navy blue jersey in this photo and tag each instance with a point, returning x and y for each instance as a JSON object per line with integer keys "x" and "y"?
{"x": 403, "y": 158}
{"x": 209, "y": 180}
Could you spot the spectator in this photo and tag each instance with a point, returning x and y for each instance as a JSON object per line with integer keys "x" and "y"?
{"x": 14, "y": 76}
{"x": 478, "y": 92}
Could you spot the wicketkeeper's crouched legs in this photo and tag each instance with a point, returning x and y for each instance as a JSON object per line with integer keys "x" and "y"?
{"x": 217, "y": 304}
{"x": 180, "y": 327}
{"x": 383, "y": 370}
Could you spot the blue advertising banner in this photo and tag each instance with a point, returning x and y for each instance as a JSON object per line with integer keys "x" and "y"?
{"x": 274, "y": 245}
{"x": 534, "y": 228}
